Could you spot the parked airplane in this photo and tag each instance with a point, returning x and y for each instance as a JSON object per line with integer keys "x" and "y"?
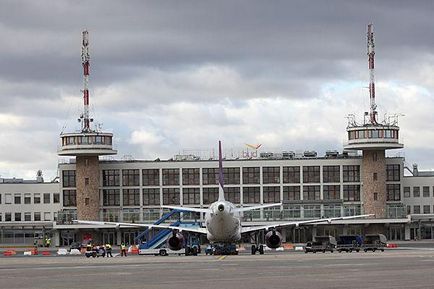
{"x": 223, "y": 221}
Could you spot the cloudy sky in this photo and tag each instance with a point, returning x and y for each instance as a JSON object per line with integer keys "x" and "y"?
{"x": 174, "y": 76}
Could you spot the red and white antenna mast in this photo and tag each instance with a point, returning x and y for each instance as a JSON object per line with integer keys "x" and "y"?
{"x": 371, "y": 54}
{"x": 85, "y": 58}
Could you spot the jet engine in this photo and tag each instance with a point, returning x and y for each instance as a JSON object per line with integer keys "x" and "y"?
{"x": 273, "y": 239}
{"x": 176, "y": 241}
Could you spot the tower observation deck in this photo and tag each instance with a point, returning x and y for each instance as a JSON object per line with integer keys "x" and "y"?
{"x": 373, "y": 138}
{"x": 86, "y": 145}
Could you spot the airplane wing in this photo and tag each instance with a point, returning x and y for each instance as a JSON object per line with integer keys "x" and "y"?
{"x": 197, "y": 210}
{"x": 297, "y": 223}
{"x": 117, "y": 224}
{"x": 244, "y": 209}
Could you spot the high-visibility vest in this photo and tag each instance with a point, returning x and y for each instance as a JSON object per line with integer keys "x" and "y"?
{"x": 122, "y": 247}
{"x": 108, "y": 246}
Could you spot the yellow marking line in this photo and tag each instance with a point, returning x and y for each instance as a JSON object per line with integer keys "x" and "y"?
{"x": 222, "y": 257}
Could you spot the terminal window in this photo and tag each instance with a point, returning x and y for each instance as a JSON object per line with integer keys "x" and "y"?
{"x": 351, "y": 193}
{"x": 27, "y": 198}
{"x": 231, "y": 176}
{"x": 151, "y": 177}
{"x": 311, "y": 174}
{"x": 332, "y": 192}
{"x": 271, "y": 194}
{"x": 68, "y": 178}
{"x": 110, "y": 178}
{"x": 291, "y": 175}
{"x": 27, "y": 216}
{"x": 47, "y": 198}
{"x": 8, "y": 199}
{"x": 191, "y": 196}
{"x": 251, "y": 175}
{"x": 210, "y": 195}
{"x": 291, "y": 193}
{"x": 111, "y": 197}
{"x": 69, "y": 198}
{"x": 416, "y": 209}
{"x": 351, "y": 173}
{"x": 210, "y": 176}
{"x": 232, "y": 194}
{"x": 425, "y": 191}
{"x": 416, "y": 192}
{"x": 130, "y": 178}
{"x": 251, "y": 195}
{"x": 311, "y": 193}
{"x": 393, "y": 192}
{"x": 331, "y": 174}
{"x": 171, "y": 196}
{"x": 17, "y": 217}
{"x": 170, "y": 177}
{"x": 36, "y": 216}
{"x": 56, "y": 198}
{"x": 131, "y": 197}
{"x": 8, "y": 217}
{"x": 36, "y": 198}
{"x": 393, "y": 172}
{"x": 151, "y": 197}
{"x": 426, "y": 209}
{"x": 17, "y": 199}
{"x": 271, "y": 175}
{"x": 190, "y": 176}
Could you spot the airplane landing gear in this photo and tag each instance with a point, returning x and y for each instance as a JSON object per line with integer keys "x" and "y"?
{"x": 259, "y": 249}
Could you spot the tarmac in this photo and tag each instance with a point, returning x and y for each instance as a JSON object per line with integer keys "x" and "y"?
{"x": 410, "y": 268}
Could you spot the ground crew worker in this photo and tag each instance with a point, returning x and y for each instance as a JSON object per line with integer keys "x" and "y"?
{"x": 108, "y": 249}
{"x": 123, "y": 250}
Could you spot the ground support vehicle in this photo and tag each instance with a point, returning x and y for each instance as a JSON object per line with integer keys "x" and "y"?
{"x": 321, "y": 244}
{"x": 221, "y": 249}
{"x": 349, "y": 243}
{"x": 374, "y": 242}
{"x": 160, "y": 252}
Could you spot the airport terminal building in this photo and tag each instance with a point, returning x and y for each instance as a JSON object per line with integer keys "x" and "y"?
{"x": 360, "y": 180}
{"x": 308, "y": 187}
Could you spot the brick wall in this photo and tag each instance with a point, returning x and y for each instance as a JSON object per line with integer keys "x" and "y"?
{"x": 87, "y": 173}
{"x": 374, "y": 191}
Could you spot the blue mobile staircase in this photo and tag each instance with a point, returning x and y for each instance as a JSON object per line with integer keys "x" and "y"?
{"x": 163, "y": 234}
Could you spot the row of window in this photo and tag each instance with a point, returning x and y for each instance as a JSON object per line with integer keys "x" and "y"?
{"x": 417, "y": 209}
{"x": 373, "y": 133}
{"x": 416, "y": 192}
{"x": 30, "y": 198}
{"x": 77, "y": 140}
{"x": 288, "y": 212}
{"x": 210, "y": 176}
{"x": 191, "y": 196}
{"x": 27, "y": 216}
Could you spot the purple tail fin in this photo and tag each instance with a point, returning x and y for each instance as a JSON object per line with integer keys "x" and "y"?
{"x": 221, "y": 179}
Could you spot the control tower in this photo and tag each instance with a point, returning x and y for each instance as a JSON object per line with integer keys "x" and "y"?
{"x": 86, "y": 145}
{"x": 373, "y": 138}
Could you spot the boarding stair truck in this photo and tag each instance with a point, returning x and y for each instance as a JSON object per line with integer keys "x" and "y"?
{"x": 156, "y": 244}
{"x": 321, "y": 244}
{"x": 349, "y": 243}
{"x": 374, "y": 242}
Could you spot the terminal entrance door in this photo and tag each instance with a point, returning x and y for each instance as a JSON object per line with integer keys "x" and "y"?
{"x": 128, "y": 237}
{"x": 396, "y": 233}
{"x": 109, "y": 238}
{"x": 299, "y": 235}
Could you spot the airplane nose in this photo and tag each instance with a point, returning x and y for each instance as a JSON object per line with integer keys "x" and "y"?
{"x": 221, "y": 208}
